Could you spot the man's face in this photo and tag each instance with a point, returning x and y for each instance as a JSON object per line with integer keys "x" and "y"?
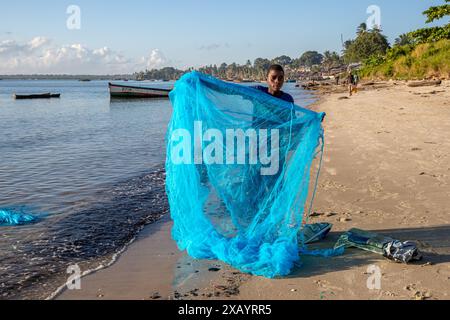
{"x": 275, "y": 80}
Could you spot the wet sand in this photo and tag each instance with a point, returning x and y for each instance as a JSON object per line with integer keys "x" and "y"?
{"x": 386, "y": 169}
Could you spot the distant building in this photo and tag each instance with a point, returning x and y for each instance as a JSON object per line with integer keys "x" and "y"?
{"x": 355, "y": 66}
{"x": 304, "y": 69}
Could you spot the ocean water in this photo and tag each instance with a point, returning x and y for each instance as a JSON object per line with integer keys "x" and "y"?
{"x": 90, "y": 168}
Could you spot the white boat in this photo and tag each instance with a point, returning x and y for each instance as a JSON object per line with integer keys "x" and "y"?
{"x": 126, "y": 91}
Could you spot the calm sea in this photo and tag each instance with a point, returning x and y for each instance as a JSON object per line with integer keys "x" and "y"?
{"x": 89, "y": 167}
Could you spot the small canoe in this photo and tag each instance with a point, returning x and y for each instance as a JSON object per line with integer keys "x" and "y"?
{"x": 36, "y": 96}
{"x": 425, "y": 83}
{"x": 125, "y": 91}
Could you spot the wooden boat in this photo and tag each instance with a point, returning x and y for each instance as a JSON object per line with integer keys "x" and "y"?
{"x": 425, "y": 83}
{"x": 126, "y": 91}
{"x": 37, "y": 96}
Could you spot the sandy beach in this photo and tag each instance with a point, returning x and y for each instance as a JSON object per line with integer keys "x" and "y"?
{"x": 386, "y": 169}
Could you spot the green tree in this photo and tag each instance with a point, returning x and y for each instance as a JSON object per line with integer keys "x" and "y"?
{"x": 167, "y": 73}
{"x": 260, "y": 67}
{"x": 437, "y": 12}
{"x": 404, "y": 40}
{"x": 261, "y": 63}
{"x": 231, "y": 71}
{"x": 282, "y": 60}
{"x": 362, "y": 28}
{"x": 367, "y": 43}
{"x": 331, "y": 60}
{"x": 310, "y": 58}
{"x": 433, "y": 34}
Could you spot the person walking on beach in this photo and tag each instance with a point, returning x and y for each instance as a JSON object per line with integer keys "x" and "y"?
{"x": 350, "y": 81}
{"x": 355, "y": 82}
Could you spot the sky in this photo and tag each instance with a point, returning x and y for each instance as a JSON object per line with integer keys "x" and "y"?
{"x": 107, "y": 37}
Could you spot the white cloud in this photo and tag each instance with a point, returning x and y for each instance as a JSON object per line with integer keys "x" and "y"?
{"x": 155, "y": 60}
{"x": 39, "y": 55}
{"x": 9, "y": 47}
{"x": 38, "y": 42}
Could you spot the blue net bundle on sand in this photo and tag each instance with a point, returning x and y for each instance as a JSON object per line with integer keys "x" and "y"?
{"x": 238, "y": 173}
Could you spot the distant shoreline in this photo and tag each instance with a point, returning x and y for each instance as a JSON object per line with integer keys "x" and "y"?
{"x": 67, "y": 77}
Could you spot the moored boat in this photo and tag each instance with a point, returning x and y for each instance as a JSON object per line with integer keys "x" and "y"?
{"x": 126, "y": 91}
{"x": 47, "y": 95}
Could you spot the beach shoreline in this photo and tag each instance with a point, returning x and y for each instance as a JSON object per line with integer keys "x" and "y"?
{"x": 385, "y": 169}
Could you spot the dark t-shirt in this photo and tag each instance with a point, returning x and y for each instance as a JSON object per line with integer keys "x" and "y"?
{"x": 283, "y": 96}
{"x": 267, "y": 116}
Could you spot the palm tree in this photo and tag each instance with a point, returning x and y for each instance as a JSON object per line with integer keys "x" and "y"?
{"x": 331, "y": 59}
{"x": 327, "y": 60}
{"x": 403, "y": 40}
{"x": 362, "y": 28}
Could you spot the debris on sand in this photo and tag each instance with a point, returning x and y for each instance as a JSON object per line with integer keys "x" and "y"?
{"x": 155, "y": 296}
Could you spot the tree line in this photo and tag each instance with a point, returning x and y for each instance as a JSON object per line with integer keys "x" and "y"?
{"x": 416, "y": 54}
{"x": 253, "y": 71}
{"x": 369, "y": 47}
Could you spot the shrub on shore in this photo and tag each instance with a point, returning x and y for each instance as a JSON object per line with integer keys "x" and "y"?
{"x": 428, "y": 60}
{"x": 420, "y": 54}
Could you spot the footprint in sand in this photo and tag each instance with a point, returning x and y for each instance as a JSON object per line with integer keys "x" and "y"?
{"x": 323, "y": 284}
{"x": 416, "y": 294}
{"x": 444, "y": 272}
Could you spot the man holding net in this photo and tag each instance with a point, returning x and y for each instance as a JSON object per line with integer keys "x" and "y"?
{"x": 275, "y": 82}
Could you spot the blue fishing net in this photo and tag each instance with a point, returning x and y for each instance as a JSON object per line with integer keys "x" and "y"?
{"x": 11, "y": 217}
{"x": 238, "y": 174}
